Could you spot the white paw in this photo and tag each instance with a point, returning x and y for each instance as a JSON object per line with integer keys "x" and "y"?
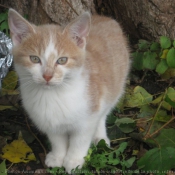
{"x": 53, "y": 160}
{"x": 96, "y": 140}
{"x": 70, "y": 164}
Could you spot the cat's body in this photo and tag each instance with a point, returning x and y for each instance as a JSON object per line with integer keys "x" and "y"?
{"x": 69, "y": 102}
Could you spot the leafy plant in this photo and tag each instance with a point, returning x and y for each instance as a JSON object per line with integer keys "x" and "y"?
{"x": 102, "y": 158}
{"x": 3, "y": 170}
{"x": 158, "y": 56}
{"x": 4, "y": 23}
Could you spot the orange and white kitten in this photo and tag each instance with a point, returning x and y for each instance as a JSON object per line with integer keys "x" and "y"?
{"x": 70, "y": 79}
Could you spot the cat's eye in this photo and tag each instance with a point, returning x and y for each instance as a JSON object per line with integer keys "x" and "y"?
{"x": 62, "y": 60}
{"x": 35, "y": 59}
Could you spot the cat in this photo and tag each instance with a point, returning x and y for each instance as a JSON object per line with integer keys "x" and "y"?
{"x": 70, "y": 79}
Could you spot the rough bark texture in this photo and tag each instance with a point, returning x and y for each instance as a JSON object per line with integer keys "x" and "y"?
{"x": 147, "y": 19}
{"x": 142, "y": 18}
{"x": 50, "y": 11}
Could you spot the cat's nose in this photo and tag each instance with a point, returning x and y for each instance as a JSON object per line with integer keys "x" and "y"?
{"x": 47, "y": 77}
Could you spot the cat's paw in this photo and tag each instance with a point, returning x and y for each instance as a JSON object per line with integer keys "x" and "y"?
{"x": 97, "y": 139}
{"x": 70, "y": 164}
{"x": 53, "y": 161}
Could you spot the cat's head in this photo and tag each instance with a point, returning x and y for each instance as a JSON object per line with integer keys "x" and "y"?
{"x": 48, "y": 54}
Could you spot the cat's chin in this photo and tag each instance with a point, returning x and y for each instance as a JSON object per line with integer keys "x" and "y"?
{"x": 49, "y": 85}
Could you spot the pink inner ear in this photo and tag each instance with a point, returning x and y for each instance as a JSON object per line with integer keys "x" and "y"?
{"x": 79, "y": 41}
{"x": 19, "y": 27}
{"x": 79, "y": 29}
{"x": 16, "y": 39}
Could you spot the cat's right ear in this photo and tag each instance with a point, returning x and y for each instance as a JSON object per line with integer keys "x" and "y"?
{"x": 19, "y": 27}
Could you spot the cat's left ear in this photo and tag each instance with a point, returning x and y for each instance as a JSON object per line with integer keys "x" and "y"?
{"x": 79, "y": 29}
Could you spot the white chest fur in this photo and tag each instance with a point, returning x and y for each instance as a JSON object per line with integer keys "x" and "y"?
{"x": 56, "y": 109}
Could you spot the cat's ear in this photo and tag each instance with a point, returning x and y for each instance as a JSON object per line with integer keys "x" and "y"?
{"x": 79, "y": 29}
{"x": 19, "y": 27}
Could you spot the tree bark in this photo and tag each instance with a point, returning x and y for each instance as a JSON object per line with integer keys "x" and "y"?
{"x": 147, "y": 19}
{"x": 50, "y": 11}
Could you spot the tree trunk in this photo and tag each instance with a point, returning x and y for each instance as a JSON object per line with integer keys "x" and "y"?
{"x": 147, "y": 19}
{"x": 50, "y": 11}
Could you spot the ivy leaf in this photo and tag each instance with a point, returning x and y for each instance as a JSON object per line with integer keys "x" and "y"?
{"x": 161, "y": 67}
{"x": 126, "y": 125}
{"x": 158, "y": 159}
{"x": 155, "y": 46}
{"x": 3, "y": 170}
{"x": 171, "y": 58}
{"x": 143, "y": 45}
{"x": 137, "y": 60}
{"x": 170, "y": 96}
{"x": 166, "y": 138}
{"x": 165, "y": 42}
{"x": 137, "y": 97}
{"x": 169, "y": 73}
{"x": 162, "y": 116}
{"x": 149, "y": 60}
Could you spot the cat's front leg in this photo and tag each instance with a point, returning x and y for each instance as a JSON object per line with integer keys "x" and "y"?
{"x": 59, "y": 145}
{"x": 79, "y": 144}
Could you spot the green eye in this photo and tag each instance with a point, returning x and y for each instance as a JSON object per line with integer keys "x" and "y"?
{"x": 62, "y": 60}
{"x": 35, "y": 59}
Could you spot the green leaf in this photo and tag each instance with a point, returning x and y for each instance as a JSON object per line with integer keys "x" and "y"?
{"x": 111, "y": 119}
{"x": 166, "y": 138}
{"x": 169, "y": 73}
{"x": 10, "y": 81}
{"x": 158, "y": 159}
{"x": 3, "y": 16}
{"x": 171, "y": 58}
{"x": 165, "y": 42}
{"x": 143, "y": 45}
{"x": 162, "y": 116}
{"x": 137, "y": 60}
{"x": 174, "y": 43}
{"x": 149, "y": 60}
{"x": 121, "y": 148}
{"x": 137, "y": 97}
{"x": 126, "y": 125}
{"x": 164, "y": 53}
{"x": 170, "y": 97}
{"x": 161, "y": 67}
{"x": 128, "y": 163}
{"x": 4, "y": 23}
{"x": 3, "y": 170}
{"x": 159, "y": 99}
{"x": 4, "y": 27}
{"x": 99, "y": 161}
{"x": 155, "y": 46}
{"x": 146, "y": 111}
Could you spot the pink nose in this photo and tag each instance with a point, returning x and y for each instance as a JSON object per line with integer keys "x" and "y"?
{"x": 47, "y": 77}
